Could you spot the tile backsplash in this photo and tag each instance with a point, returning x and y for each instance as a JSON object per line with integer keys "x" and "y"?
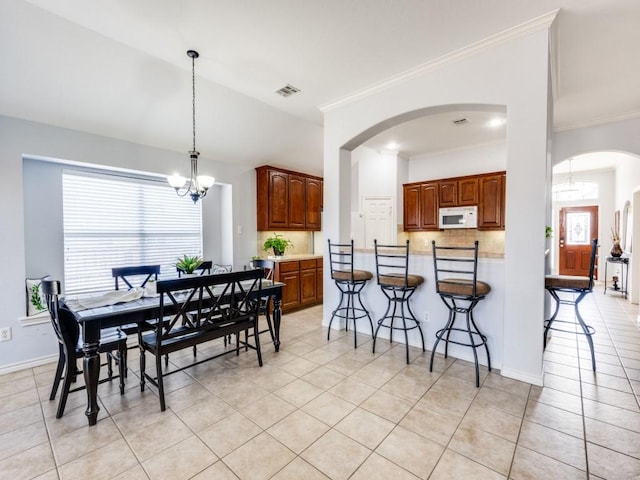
{"x": 302, "y": 242}
{"x": 491, "y": 242}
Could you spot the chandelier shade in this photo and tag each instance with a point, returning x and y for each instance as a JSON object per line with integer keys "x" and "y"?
{"x": 196, "y": 186}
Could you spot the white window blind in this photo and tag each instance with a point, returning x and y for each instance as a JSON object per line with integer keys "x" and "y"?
{"x": 113, "y": 221}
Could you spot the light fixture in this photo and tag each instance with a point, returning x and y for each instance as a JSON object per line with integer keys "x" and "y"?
{"x": 496, "y": 122}
{"x": 197, "y": 185}
{"x": 570, "y": 186}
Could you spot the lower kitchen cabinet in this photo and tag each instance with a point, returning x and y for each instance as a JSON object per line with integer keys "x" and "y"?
{"x": 303, "y": 279}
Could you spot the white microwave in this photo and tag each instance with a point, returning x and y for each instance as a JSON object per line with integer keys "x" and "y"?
{"x": 459, "y": 217}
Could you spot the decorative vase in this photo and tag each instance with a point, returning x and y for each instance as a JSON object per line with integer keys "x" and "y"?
{"x": 277, "y": 253}
{"x": 616, "y": 250}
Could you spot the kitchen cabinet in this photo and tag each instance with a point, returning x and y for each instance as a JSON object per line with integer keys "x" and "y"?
{"x": 422, "y": 200}
{"x": 288, "y": 200}
{"x": 491, "y": 202}
{"x": 303, "y": 279}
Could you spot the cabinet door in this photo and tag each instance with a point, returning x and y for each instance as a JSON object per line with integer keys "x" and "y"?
{"x": 429, "y": 200}
{"x": 319, "y": 280}
{"x": 297, "y": 203}
{"x": 448, "y": 193}
{"x": 313, "y": 188}
{"x": 411, "y": 207}
{"x": 308, "y": 282}
{"x": 468, "y": 191}
{"x": 278, "y": 200}
{"x": 490, "y": 209}
{"x": 291, "y": 290}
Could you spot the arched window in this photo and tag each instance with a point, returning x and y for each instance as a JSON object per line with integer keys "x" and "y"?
{"x": 563, "y": 192}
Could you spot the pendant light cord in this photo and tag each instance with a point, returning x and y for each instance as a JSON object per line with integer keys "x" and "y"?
{"x": 193, "y": 101}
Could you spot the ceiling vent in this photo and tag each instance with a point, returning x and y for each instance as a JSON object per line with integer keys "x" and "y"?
{"x": 287, "y": 91}
{"x": 461, "y": 121}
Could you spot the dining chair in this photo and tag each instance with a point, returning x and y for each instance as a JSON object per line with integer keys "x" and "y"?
{"x": 200, "y": 309}
{"x": 269, "y": 267}
{"x": 460, "y": 293}
{"x": 204, "y": 268}
{"x": 70, "y": 346}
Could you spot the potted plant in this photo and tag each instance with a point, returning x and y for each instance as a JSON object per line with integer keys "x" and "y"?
{"x": 188, "y": 264}
{"x": 278, "y": 243}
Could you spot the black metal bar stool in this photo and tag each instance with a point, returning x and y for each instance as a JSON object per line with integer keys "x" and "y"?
{"x": 398, "y": 285}
{"x": 350, "y": 282}
{"x": 577, "y": 287}
{"x": 460, "y": 294}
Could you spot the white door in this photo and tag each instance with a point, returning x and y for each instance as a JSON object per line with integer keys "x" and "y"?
{"x": 377, "y": 220}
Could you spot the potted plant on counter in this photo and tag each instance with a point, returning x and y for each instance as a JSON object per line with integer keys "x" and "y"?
{"x": 278, "y": 243}
{"x": 188, "y": 264}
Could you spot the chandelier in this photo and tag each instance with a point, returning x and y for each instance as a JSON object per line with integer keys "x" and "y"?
{"x": 197, "y": 185}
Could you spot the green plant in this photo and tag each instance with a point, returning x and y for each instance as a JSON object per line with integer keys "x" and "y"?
{"x": 548, "y": 232}
{"x": 36, "y": 299}
{"x": 188, "y": 264}
{"x": 278, "y": 243}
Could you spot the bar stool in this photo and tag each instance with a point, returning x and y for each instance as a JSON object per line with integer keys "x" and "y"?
{"x": 350, "y": 282}
{"x": 398, "y": 285}
{"x": 580, "y": 286}
{"x": 460, "y": 295}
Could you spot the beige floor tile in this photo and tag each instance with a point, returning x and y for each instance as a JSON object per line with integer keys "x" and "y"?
{"x": 109, "y": 461}
{"x": 467, "y": 370}
{"x": 615, "y": 438}
{"x": 609, "y": 381}
{"x": 387, "y": 406}
{"x": 530, "y": 465}
{"x": 497, "y": 381}
{"x": 187, "y": 396}
{"x": 373, "y": 375}
{"x": 555, "y": 398}
{"x": 28, "y": 463}
{"x": 454, "y": 466}
{"x": 229, "y": 433}
{"x": 407, "y": 384}
{"x": 352, "y": 391}
{"x": 217, "y": 471}
{"x": 53, "y": 475}
{"x": 298, "y": 430}
{"x": 298, "y": 392}
{"x": 20, "y": 418}
{"x": 365, "y": 427}
{"x": 27, "y": 372}
{"x": 562, "y": 384}
{"x": 554, "y": 444}
{"x": 430, "y": 423}
{"x": 299, "y": 469}
{"x": 328, "y": 408}
{"x": 494, "y": 421}
{"x": 608, "y": 464}
{"x": 18, "y": 401}
{"x": 136, "y": 418}
{"x": 298, "y": 347}
{"x": 259, "y": 458}
{"x": 267, "y": 411}
{"x": 135, "y": 473}
{"x": 84, "y": 440}
{"x": 620, "y": 417}
{"x": 239, "y": 396}
{"x": 555, "y": 418}
{"x": 379, "y": 468}
{"x": 500, "y": 400}
{"x": 484, "y": 447}
{"x": 610, "y": 396}
{"x": 299, "y": 367}
{"x": 323, "y": 378}
{"x": 205, "y": 413}
{"x": 269, "y": 377}
{"x": 336, "y": 455}
{"x": 345, "y": 366}
{"x": 22, "y": 438}
{"x": 321, "y": 356}
{"x": 194, "y": 457}
{"x": 420, "y": 459}
{"x": 146, "y": 442}
{"x": 19, "y": 385}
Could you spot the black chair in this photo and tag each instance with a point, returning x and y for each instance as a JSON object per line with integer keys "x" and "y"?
{"x": 398, "y": 285}
{"x": 269, "y": 267}
{"x": 135, "y": 277}
{"x": 204, "y": 268}
{"x": 460, "y": 294}
{"x": 70, "y": 347}
{"x": 200, "y": 309}
{"x": 350, "y": 283}
{"x": 576, "y": 288}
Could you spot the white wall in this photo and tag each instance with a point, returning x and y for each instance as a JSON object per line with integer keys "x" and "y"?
{"x": 513, "y": 74}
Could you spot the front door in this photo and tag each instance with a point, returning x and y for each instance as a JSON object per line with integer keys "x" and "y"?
{"x": 578, "y": 226}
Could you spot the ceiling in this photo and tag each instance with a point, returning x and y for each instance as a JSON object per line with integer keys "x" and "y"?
{"x": 64, "y": 63}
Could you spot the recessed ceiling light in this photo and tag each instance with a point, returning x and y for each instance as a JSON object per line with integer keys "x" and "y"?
{"x": 392, "y": 146}
{"x": 496, "y": 122}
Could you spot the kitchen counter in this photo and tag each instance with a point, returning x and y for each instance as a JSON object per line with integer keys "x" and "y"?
{"x": 291, "y": 258}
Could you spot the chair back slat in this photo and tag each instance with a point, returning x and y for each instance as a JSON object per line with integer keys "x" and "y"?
{"x": 592, "y": 262}
{"x": 341, "y": 258}
{"x": 204, "y": 268}
{"x": 461, "y": 261}
{"x": 64, "y": 323}
{"x": 392, "y": 260}
{"x": 141, "y": 272}
{"x": 269, "y": 267}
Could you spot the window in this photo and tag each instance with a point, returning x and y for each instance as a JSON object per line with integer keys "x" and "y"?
{"x": 112, "y": 221}
{"x": 575, "y": 191}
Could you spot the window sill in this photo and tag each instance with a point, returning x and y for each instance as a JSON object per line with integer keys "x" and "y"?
{"x": 37, "y": 319}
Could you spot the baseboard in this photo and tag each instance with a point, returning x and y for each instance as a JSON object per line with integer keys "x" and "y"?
{"x": 35, "y": 362}
{"x": 524, "y": 376}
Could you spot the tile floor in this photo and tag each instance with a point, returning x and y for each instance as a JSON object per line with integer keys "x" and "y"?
{"x": 319, "y": 410}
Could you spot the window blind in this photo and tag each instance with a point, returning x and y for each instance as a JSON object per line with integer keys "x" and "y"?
{"x": 114, "y": 221}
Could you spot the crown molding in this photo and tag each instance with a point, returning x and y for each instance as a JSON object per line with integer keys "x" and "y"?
{"x": 595, "y": 121}
{"x": 531, "y": 26}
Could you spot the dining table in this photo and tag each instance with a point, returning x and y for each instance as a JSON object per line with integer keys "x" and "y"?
{"x": 140, "y": 310}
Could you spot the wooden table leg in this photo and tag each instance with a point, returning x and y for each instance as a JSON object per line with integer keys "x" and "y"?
{"x": 91, "y": 342}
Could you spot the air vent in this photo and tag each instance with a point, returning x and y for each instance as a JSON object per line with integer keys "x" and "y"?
{"x": 287, "y": 91}
{"x": 461, "y": 121}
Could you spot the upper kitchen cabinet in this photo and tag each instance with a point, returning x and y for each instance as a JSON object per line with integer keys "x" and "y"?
{"x": 491, "y": 204}
{"x": 420, "y": 206}
{"x": 287, "y": 200}
{"x": 448, "y": 193}
{"x": 458, "y": 192}
{"x": 468, "y": 191}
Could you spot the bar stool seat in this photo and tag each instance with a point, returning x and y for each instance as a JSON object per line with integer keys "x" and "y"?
{"x": 460, "y": 295}
{"x": 350, "y": 283}
{"x": 398, "y": 285}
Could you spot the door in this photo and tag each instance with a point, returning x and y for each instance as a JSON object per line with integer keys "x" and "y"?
{"x": 578, "y": 226}
{"x": 377, "y": 220}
